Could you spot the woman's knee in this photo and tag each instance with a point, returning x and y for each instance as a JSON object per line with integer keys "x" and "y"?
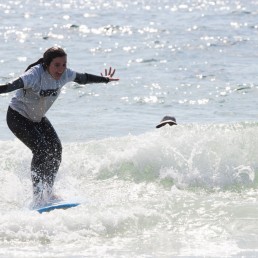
{"x": 57, "y": 149}
{"x": 47, "y": 150}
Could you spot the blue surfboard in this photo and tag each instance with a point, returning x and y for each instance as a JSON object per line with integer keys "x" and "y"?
{"x": 55, "y": 206}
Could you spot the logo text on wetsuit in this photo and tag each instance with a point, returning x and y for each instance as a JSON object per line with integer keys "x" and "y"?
{"x": 47, "y": 93}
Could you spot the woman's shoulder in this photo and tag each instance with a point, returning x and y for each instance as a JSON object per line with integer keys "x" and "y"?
{"x": 34, "y": 71}
{"x": 70, "y": 73}
{"x": 32, "y": 75}
{"x": 37, "y": 68}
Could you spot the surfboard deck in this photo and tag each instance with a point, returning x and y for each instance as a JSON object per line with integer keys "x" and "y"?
{"x": 54, "y": 206}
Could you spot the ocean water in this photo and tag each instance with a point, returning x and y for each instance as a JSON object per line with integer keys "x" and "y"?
{"x": 189, "y": 190}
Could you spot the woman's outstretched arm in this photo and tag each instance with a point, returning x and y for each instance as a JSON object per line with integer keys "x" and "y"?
{"x": 84, "y": 78}
{"x": 15, "y": 85}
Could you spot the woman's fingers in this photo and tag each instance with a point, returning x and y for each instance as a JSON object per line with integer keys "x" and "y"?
{"x": 109, "y": 73}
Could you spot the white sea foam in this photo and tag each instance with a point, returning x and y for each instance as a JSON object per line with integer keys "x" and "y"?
{"x": 139, "y": 194}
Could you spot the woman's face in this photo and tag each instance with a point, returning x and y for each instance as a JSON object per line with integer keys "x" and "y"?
{"x": 57, "y": 67}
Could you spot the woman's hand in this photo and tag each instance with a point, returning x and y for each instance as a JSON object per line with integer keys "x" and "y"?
{"x": 109, "y": 74}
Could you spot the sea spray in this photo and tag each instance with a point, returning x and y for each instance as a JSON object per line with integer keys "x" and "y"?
{"x": 149, "y": 193}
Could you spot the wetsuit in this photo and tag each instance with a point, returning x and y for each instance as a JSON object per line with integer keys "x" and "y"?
{"x": 36, "y": 92}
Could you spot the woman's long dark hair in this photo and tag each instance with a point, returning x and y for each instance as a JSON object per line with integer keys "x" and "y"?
{"x": 48, "y": 57}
